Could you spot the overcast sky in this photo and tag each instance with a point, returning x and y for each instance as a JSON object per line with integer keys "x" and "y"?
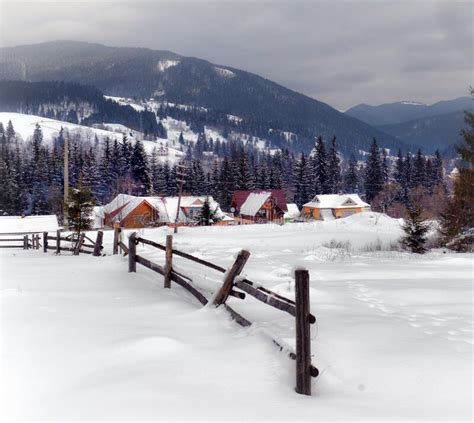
{"x": 340, "y": 52}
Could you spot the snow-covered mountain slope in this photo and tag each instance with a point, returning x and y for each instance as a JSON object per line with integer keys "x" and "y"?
{"x": 24, "y": 125}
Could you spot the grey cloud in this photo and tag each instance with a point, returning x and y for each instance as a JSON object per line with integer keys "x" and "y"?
{"x": 341, "y": 52}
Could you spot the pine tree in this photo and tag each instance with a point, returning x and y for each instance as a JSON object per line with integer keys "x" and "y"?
{"x": 418, "y": 174}
{"x": 415, "y": 230}
{"x": 139, "y": 168}
{"x": 351, "y": 176}
{"x": 302, "y": 182}
{"x": 373, "y": 173}
{"x": 79, "y": 208}
{"x": 334, "y": 169}
{"x": 207, "y": 216}
{"x": 319, "y": 169}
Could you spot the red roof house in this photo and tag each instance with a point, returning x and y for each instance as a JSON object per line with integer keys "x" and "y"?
{"x": 259, "y": 206}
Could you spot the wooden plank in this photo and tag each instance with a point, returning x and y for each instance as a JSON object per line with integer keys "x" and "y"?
{"x": 25, "y": 242}
{"x": 132, "y": 252}
{"x": 241, "y": 320}
{"x": 124, "y": 248}
{"x": 12, "y": 239}
{"x": 150, "y": 265}
{"x": 269, "y": 299}
{"x": 58, "y": 241}
{"x": 303, "y": 334}
{"x": 98, "y": 243}
{"x": 186, "y": 285}
{"x": 12, "y": 246}
{"x": 267, "y": 291}
{"x": 169, "y": 261}
{"x": 45, "y": 242}
{"x": 152, "y": 243}
{"x": 80, "y": 241}
{"x": 116, "y": 239}
{"x": 198, "y": 260}
{"x": 234, "y": 271}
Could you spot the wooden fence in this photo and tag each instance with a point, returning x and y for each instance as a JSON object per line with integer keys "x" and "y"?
{"x": 75, "y": 244}
{"x": 24, "y": 242}
{"x": 237, "y": 287}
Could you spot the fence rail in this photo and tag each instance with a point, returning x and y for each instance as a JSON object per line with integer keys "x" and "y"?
{"x": 25, "y": 242}
{"x": 77, "y": 244}
{"x": 299, "y": 309}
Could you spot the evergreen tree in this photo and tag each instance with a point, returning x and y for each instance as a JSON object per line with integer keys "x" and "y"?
{"x": 351, "y": 176}
{"x": 334, "y": 169}
{"x": 418, "y": 174}
{"x": 319, "y": 169}
{"x": 79, "y": 208}
{"x": 139, "y": 168}
{"x": 302, "y": 182}
{"x": 373, "y": 173}
{"x": 207, "y": 216}
{"x": 415, "y": 230}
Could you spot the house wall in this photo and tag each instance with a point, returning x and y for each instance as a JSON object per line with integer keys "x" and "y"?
{"x": 314, "y": 213}
{"x": 311, "y": 213}
{"x": 140, "y": 217}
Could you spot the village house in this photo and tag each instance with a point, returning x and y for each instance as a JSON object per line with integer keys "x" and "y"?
{"x": 129, "y": 211}
{"x": 333, "y": 206}
{"x": 259, "y": 206}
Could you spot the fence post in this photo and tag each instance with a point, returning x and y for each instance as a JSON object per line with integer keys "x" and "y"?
{"x": 234, "y": 271}
{"x": 80, "y": 241}
{"x": 169, "y": 260}
{"x": 45, "y": 242}
{"x": 98, "y": 243}
{"x": 25, "y": 242}
{"x": 116, "y": 239}
{"x": 132, "y": 252}
{"x": 58, "y": 242}
{"x": 303, "y": 335}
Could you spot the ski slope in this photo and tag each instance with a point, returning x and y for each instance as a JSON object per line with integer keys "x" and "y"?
{"x": 84, "y": 339}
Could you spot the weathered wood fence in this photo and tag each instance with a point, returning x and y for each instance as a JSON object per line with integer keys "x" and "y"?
{"x": 237, "y": 287}
{"x": 76, "y": 245}
{"x": 25, "y": 242}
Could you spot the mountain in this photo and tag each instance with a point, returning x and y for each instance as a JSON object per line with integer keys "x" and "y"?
{"x": 430, "y": 133}
{"x": 263, "y": 107}
{"x": 404, "y": 111}
{"x": 74, "y": 103}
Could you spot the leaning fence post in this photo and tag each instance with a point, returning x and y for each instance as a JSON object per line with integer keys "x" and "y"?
{"x": 80, "y": 241}
{"x": 169, "y": 260}
{"x": 303, "y": 335}
{"x": 116, "y": 239}
{"x": 58, "y": 241}
{"x": 234, "y": 271}
{"x": 132, "y": 252}
{"x": 45, "y": 242}
{"x": 98, "y": 243}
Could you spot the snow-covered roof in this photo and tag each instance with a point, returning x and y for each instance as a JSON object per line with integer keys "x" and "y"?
{"x": 254, "y": 203}
{"x": 293, "y": 211}
{"x": 336, "y": 201}
{"x": 28, "y": 224}
{"x": 123, "y": 204}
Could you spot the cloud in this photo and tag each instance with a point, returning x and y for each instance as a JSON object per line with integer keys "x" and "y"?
{"x": 341, "y": 52}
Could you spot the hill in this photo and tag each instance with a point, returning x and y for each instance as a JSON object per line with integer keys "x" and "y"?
{"x": 404, "y": 111}
{"x": 264, "y": 107}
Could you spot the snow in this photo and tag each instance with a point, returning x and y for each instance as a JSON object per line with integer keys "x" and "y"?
{"x": 225, "y": 73}
{"x": 84, "y": 339}
{"x": 254, "y": 203}
{"x": 166, "y": 64}
{"x": 123, "y": 101}
{"x": 412, "y": 103}
{"x": 293, "y": 211}
{"x": 28, "y": 224}
{"x": 332, "y": 201}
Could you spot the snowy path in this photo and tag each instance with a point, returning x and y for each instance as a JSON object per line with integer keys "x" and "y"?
{"x": 83, "y": 339}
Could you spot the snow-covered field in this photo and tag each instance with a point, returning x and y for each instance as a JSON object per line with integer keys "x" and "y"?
{"x": 84, "y": 339}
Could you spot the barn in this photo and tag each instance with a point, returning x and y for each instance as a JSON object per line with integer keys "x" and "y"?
{"x": 259, "y": 206}
{"x": 333, "y": 206}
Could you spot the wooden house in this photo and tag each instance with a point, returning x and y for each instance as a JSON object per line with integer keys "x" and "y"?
{"x": 333, "y": 206}
{"x": 129, "y": 211}
{"x": 259, "y": 206}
